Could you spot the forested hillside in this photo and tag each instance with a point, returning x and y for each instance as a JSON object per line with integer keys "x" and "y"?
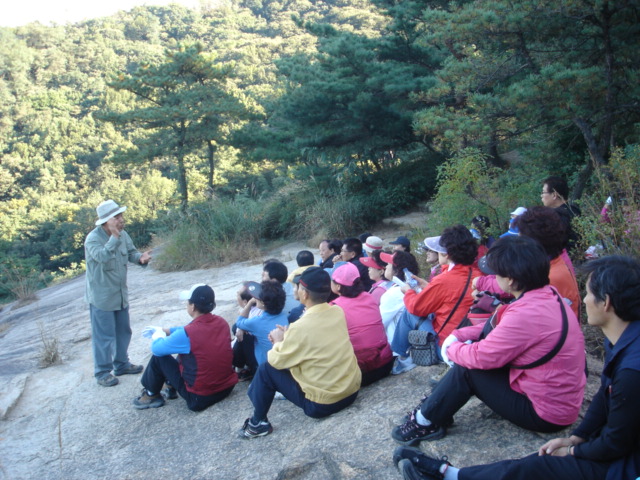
{"x": 304, "y": 108}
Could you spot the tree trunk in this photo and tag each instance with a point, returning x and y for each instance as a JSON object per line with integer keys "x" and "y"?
{"x": 212, "y": 168}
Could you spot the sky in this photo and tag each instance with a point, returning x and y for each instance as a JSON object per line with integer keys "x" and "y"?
{"x": 20, "y": 12}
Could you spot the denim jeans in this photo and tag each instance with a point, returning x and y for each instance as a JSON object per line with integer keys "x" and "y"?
{"x": 407, "y": 322}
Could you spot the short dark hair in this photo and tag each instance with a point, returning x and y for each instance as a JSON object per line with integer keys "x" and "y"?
{"x": 461, "y": 247}
{"x": 304, "y": 258}
{"x": 273, "y": 296}
{"x": 402, "y": 260}
{"x": 376, "y": 257}
{"x": 316, "y": 297}
{"x": 363, "y": 236}
{"x": 522, "y": 259}
{"x": 545, "y": 225}
{"x": 334, "y": 245}
{"x": 354, "y": 245}
{"x": 558, "y": 185}
{"x": 244, "y": 293}
{"x": 619, "y": 278}
{"x": 352, "y": 291}
{"x": 276, "y": 270}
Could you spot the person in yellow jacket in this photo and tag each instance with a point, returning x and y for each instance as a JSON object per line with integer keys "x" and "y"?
{"x": 312, "y": 362}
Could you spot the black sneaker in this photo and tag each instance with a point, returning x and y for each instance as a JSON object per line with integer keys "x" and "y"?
{"x": 249, "y": 430}
{"x": 148, "y": 401}
{"x": 423, "y": 463}
{"x": 411, "y": 415}
{"x": 169, "y": 393}
{"x": 410, "y": 472}
{"x": 412, "y": 433}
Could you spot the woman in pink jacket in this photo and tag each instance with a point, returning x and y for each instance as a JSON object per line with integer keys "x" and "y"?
{"x": 364, "y": 323}
{"x": 527, "y": 364}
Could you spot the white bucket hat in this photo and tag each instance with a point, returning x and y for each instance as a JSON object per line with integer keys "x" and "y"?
{"x": 108, "y": 209}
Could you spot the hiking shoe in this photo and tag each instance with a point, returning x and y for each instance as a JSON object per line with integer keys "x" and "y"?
{"x": 249, "y": 430}
{"x": 402, "y": 365}
{"x": 169, "y": 393}
{"x": 412, "y": 433}
{"x": 148, "y": 401}
{"x": 108, "y": 381}
{"x": 245, "y": 375}
{"x": 410, "y": 472}
{"x": 411, "y": 414}
{"x": 131, "y": 369}
{"x": 424, "y": 463}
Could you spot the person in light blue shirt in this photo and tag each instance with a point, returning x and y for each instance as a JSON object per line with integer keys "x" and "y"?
{"x": 268, "y": 296}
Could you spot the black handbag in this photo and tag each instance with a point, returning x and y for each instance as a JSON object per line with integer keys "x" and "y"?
{"x": 424, "y": 345}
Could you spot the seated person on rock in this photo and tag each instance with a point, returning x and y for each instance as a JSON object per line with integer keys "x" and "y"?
{"x": 269, "y": 298}
{"x": 276, "y": 271}
{"x": 544, "y": 225}
{"x": 294, "y": 280}
{"x": 447, "y": 296}
{"x": 528, "y": 368}
{"x": 329, "y": 249}
{"x": 304, "y": 258}
{"x": 401, "y": 244}
{"x": 244, "y": 357}
{"x": 392, "y": 301}
{"x": 376, "y": 268}
{"x": 202, "y": 373}
{"x": 312, "y": 362}
{"x": 364, "y": 324}
{"x": 352, "y": 252}
{"x": 606, "y": 443}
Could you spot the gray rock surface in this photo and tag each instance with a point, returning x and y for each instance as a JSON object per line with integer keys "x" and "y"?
{"x": 58, "y": 423}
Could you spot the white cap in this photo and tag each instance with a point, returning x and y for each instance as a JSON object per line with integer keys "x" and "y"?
{"x": 186, "y": 294}
{"x": 519, "y": 211}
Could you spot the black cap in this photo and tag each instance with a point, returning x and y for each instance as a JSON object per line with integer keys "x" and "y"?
{"x": 484, "y": 266}
{"x": 404, "y": 241}
{"x": 203, "y": 298}
{"x": 255, "y": 290}
{"x": 316, "y": 280}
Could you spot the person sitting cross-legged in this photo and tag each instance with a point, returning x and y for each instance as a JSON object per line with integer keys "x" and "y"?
{"x": 269, "y": 297}
{"x": 202, "y": 373}
{"x": 526, "y": 363}
{"x": 606, "y": 443}
{"x": 312, "y": 363}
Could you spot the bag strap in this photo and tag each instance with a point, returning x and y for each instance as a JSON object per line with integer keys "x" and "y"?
{"x": 556, "y": 349}
{"x": 464, "y": 290}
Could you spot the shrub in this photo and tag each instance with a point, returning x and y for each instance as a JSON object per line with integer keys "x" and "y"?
{"x": 619, "y": 233}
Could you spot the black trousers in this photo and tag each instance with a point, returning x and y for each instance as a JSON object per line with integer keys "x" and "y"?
{"x": 492, "y": 387}
{"x": 374, "y": 375}
{"x": 535, "y": 467}
{"x": 165, "y": 369}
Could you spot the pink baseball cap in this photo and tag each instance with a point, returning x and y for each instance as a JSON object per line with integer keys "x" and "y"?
{"x": 345, "y": 274}
{"x": 386, "y": 257}
{"x": 370, "y": 262}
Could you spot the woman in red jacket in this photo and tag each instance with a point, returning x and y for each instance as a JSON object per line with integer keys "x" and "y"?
{"x": 527, "y": 364}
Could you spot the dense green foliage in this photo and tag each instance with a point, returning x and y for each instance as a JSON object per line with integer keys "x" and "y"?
{"x": 258, "y": 120}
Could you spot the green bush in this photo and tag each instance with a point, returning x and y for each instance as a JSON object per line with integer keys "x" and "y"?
{"x": 214, "y": 232}
{"x": 468, "y": 186}
{"x": 620, "y": 180}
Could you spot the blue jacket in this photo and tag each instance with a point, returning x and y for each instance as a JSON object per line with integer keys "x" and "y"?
{"x": 606, "y": 437}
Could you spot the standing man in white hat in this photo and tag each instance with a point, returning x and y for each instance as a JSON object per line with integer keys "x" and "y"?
{"x": 107, "y": 250}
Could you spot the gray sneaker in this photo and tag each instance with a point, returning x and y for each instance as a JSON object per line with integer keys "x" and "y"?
{"x": 148, "y": 401}
{"x": 108, "y": 381}
{"x": 130, "y": 369}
